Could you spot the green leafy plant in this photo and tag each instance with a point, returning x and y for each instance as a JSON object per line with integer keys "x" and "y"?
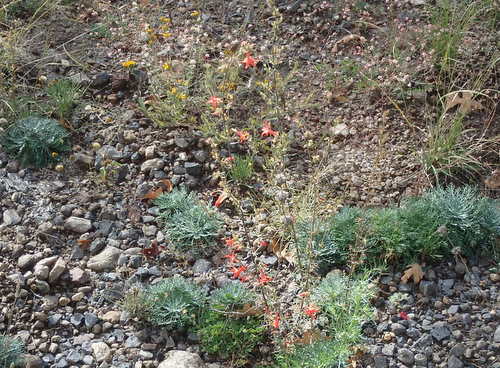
{"x": 241, "y": 170}
{"x": 23, "y": 8}
{"x": 11, "y": 351}
{"x": 188, "y": 223}
{"x": 225, "y": 329}
{"x": 63, "y": 95}
{"x": 346, "y": 303}
{"x": 232, "y": 297}
{"x": 36, "y": 141}
{"x": 173, "y": 303}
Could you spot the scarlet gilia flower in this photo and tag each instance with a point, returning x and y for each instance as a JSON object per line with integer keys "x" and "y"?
{"x": 267, "y": 130}
{"x": 232, "y": 258}
{"x": 404, "y": 315}
{"x": 231, "y": 243}
{"x": 276, "y": 322}
{"x": 214, "y": 101}
{"x": 263, "y": 278}
{"x": 311, "y": 311}
{"x": 243, "y": 136}
{"x": 249, "y": 61}
{"x": 237, "y": 271}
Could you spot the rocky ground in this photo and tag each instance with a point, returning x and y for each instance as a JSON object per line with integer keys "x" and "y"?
{"x": 71, "y": 242}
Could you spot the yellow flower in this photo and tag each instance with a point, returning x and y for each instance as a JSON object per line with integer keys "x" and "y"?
{"x": 196, "y": 13}
{"x": 182, "y": 96}
{"x": 165, "y": 20}
{"x": 173, "y": 90}
{"x": 129, "y": 64}
{"x": 166, "y": 34}
{"x": 166, "y": 66}
{"x": 54, "y": 154}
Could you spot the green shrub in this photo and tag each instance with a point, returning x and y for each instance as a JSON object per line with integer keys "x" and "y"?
{"x": 346, "y": 303}
{"x": 230, "y": 337}
{"x": 187, "y": 222}
{"x": 471, "y": 222}
{"x": 225, "y": 330}
{"x": 422, "y": 228}
{"x": 232, "y": 297}
{"x": 11, "y": 351}
{"x": 36, "y": 141}
{"x": 173, "y": 303}
{"x": 23, "y": 8}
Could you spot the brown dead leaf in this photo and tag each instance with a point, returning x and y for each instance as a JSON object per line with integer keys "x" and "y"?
{"x": 167, "y": 185}
{"x": 346, "y": 39}
{"x": 250, "y": 310}
{"x": 337, "y": 96}
{"x": 464, "y": 100}
{"x": 310, "y": 336}
{"x": 493, "y": 181}
{"x": 153, "y": 194}
{"x": 84, "y": 243}
{"x": 414, "y": 272}
{"x": 282, "y": 251}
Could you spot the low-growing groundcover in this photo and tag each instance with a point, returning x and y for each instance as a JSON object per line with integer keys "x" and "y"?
{"x": 188, "y": 223}
{"x": 438, "y": 224}
{"x": 11, "y": 351}
{"x": 36, "y": 141}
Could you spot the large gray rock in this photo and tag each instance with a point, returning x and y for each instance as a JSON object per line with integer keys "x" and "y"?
{"x": 77, "y": 224}
{"x": 11, "y": 217}
{"x": 182, "y": 359}
{"x": 104, "y": 261}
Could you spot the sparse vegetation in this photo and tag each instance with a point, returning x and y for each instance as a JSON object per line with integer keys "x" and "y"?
{"x": 11, "y": 351}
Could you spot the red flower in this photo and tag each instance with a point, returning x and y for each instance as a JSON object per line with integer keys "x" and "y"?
{"x": 276, "y": 322}
{"x": 263, "y": 278}
{"x": 264, "y": 243}
{"x": 231, "y": 243}
{"x": 267, "y": 130}
{"x": 231, "y": 257}
{"x": 304, "y": 294}
{"x": 404, "y": 315}
{"x": 221, "y": 198}
{"x": 311, "y": 311}
{"x": 249, "y": 61}
{"x": 237, "y": 271}
{"x": 214, "y": 101}
{"x": 243, "y": 136}
{"x": 244, "y": 278}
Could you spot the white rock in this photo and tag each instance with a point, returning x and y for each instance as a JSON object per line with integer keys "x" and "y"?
{"x": 106, "y": 260}
{"x": 101, "y": 351}
{"x": 149, "y": 152}
{"x": 57, "y": 270}
{"x": 11, "y": 217}
{"x": 182, "y": 359}
{"x": 78, "y": 224}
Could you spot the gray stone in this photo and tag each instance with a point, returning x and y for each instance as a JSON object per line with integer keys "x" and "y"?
{"x": 90, "y": 319}
{"x": 496, "y": 336}
{"x": 11, "y": 217}
{"x": 423, "y": 341}
{"x": 41, "y": 287}
{"x": 181, "y": 142}
{"x": 380, "y": 361}
{"x": 193, "y": 168}
{"x": 201, "y": 266}
{"x": 398, "y": 329}
{"x": 182, "y": 359}
{"x": 79, "y": 276}
{"x": 153, "y": 164}
{"x": 406, "y": 356}
{"x": 388, "y": 349}
{"x": 454, "y": 362}
{"x": 428, "y": 288}
{"x": 420, "y": 360}
{"x": 458, "y": 350}
{"x": 76, "y": 319}
{"x": 132, "y": 342}
{"x": 106, "y": 260}
{"x": 110, "y": 152}
{"x": 26, "y": 261}
{"x": 440, "y": 331}
{"x": 200, "y": 156}
{"x": 74, "y": 356}
{"x": 77, "y": 224}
